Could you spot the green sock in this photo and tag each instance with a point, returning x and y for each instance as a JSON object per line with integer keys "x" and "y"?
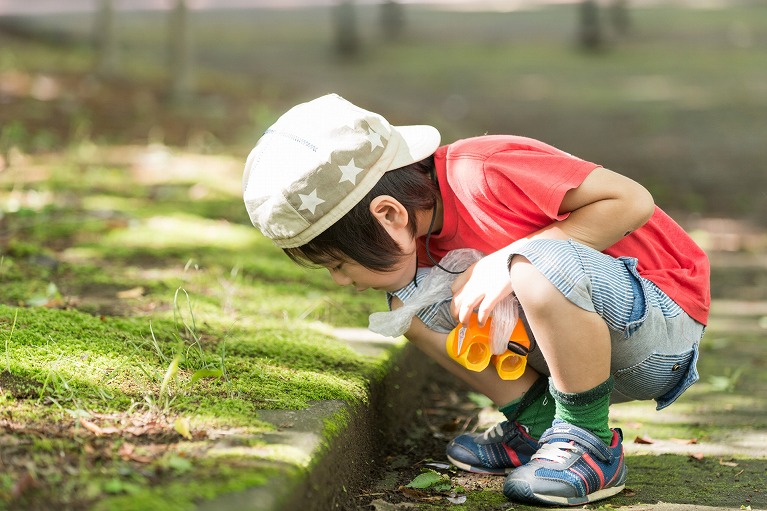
{"x": 588, "y": 410}
{"x": 536, "y": 417}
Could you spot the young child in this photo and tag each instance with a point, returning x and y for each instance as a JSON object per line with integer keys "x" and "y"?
{"x": 614, "y": 293}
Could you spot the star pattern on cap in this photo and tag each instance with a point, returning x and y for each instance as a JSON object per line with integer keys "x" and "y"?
{"x": 326, "y": 192}
{"x": 310, "y": 202}
{"x": 375, "y": 139}
{"x": 349, "y": 172}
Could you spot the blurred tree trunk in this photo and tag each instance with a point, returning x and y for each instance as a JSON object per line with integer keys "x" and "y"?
{"x": 347, "y": 36}
{"x": 392, "y": 20}
{"x": 589, "y": 26}
{"x": 105, "y": 39}
{"x": 619, "y": 17}
{"x": 181, "y": 52}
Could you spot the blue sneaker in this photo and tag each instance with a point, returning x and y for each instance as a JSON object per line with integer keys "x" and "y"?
{"x": 498, "y": 450}
{"x": 573, "y": 467}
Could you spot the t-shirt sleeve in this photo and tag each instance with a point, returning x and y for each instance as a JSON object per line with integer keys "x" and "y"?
{"x": 533, "y": 179}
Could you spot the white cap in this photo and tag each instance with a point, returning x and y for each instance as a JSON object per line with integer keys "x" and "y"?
{"x": 320, "y": 159}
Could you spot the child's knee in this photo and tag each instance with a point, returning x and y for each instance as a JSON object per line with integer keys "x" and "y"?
{"x": 534, "y": 291}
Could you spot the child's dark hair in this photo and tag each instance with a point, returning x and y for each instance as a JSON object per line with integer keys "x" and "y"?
{"x": 358, "y": 236}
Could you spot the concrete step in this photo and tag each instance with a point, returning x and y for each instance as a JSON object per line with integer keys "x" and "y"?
{"x": 318, "y": 457}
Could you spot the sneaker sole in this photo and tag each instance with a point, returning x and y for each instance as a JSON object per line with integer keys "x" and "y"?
{"x": 480, "y": 470}
{"x": 553, "y": 500}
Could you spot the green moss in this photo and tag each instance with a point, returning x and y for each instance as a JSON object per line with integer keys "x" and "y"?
{"x": 68, "y": 352}
{"x": 709, "y": 481}
{"x": 722, "y": 483}
{"x": 205, "y": 481}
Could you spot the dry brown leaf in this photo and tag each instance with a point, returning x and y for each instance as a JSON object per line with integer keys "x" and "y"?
{"x": 24, "y": 484}
{"x": 136, "y": 292}
{"x": 644, "y": 440}
{"x": 727, "y": 463}
{"x": 127, "y": 452}
{"x": 698, "y": 456}
{"x": 413, "y": 493}
{"x": 148, "y": 430}
{"x": 93, "y": 428}
{"x": 96, "y": 429}
{"x": 685, "y": 441}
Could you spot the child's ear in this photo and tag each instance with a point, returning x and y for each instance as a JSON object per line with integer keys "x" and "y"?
{"x": 389, "y": 212}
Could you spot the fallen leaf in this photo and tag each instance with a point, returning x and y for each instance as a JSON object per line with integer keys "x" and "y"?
{"x": 127, "y": 452}
{"x": 96, "y": 429}
{"x": 685, "y": 441}
{"x": 440, "y": 466}
{"x": 644, "y": 440}
{"x": 145, "y": 430}
{"x": 426, "y": 479}
{"x": 727, "y": 463}
{"x": 182, "y": 427}
{"x": 205, "y": 373}
{"x": 136, "y": 292}
{"x": 93, "y": 428}
{"x": 698, "y": 456}
{"x": 25, "y": 483}
{"x": 412, "y": 493}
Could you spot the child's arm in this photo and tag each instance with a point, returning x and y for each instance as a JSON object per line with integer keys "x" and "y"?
{"x": 603, "y": 209}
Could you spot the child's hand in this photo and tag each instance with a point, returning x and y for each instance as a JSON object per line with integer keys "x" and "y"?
{"x": 481, "y": 287}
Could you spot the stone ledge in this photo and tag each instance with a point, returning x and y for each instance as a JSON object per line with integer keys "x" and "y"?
{"x": 339, "y": 444}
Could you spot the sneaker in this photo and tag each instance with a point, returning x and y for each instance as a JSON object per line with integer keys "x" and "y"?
{"x": 498, "y": 450}
{"x": 573, "y": 467}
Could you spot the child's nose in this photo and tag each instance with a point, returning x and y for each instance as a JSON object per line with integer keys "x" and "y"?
{"x": 340, "y": 279}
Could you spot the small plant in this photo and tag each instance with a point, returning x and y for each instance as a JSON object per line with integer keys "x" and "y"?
{"x": 726, "y": 382}
{"x": 188, "y": 352}
{"x": 8, "y": 341}
{"x": 430, "y": 480}
{"x": 12, "y": 136}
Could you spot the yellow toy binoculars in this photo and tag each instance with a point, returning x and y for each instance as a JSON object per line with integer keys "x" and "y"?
{"x": 470, "y": 347}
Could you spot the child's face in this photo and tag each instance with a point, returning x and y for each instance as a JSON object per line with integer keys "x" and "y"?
{"x": 393, "y": 217}
{"x": 350, "y": 273}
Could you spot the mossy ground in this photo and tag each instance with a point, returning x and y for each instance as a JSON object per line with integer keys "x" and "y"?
{"x": 142, "y": 319}
{"x": 140, "y": 327}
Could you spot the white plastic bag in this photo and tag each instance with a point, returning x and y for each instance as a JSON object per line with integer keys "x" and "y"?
{"x": 435, "y": 288}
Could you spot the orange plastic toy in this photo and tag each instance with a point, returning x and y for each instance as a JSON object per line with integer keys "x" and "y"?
{"x": 470, "y": 347}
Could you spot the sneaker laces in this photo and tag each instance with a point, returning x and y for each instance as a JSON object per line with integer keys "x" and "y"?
{"x": 494, "y": 432}
{"x": 558, "y": 452}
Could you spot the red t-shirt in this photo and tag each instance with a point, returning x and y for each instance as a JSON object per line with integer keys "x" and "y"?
{"x": 498, "y": 189}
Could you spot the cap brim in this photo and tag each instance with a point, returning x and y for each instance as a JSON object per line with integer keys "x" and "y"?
{"x": 420, "y": 141}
